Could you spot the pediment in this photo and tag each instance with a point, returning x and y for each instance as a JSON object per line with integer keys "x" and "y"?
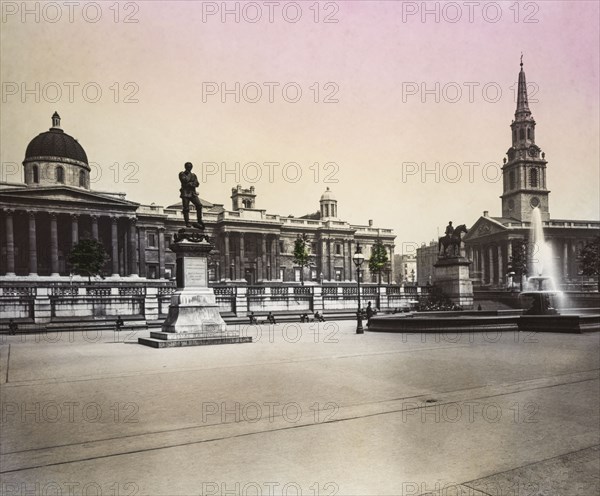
{"x": 64, "y": 195}
{"x": 485, "y": 226}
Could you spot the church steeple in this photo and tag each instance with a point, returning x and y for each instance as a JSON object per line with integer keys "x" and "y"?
{"x": 523, "y": 111}
{"x": 525, "y": 172}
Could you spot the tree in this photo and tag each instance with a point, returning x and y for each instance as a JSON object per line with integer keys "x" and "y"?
{"x": 87, "y": 258}
{"x": 589, "y": 259}
{"x": 518, "y": 262}
{"x": 302, "y": 253}
{"x": 377, "y": 263}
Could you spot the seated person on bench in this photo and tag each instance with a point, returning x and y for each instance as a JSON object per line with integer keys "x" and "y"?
{"x": 319, "y": 317}
{"x": 253, "y": 319}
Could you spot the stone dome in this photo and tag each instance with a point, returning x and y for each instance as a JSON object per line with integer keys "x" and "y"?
{"x": 328, "y": 195}
{"x": 55, "y": 143}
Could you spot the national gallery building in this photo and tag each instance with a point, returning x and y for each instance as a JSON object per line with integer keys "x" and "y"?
{"x": 42, "y": 219}
{"x": 490, "y": 241}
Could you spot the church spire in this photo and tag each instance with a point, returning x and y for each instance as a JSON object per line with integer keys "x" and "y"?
{"x": 522, "y": 102}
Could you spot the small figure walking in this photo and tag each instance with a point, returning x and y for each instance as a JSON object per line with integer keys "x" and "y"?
{"x": 271, "y": 318}
{"x": 119, "y": 324}
{"x": 12, "y": 327}
{"x": 370, "y": 312}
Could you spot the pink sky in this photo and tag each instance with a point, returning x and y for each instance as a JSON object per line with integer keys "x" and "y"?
{"x": 369, "y": 133}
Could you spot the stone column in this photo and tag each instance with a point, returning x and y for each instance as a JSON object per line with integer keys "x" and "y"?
{"x": 509, "y": 253}
{"x": 393, "y": 265}
{"x": 74, "y": 229}
{"x": 491, "y": 263}
{"x": 142, "y": 250}
{"x": 114, "y": 241}
{"x": 330, "y": 246}
{"x": 565, "y": 260}
{"x": 276, "y": 262}
{"x": 32, "y": 245}
{"x": 351, "y": 268}
{"x": 226, "y": 258}
{"x": 242, "y": 268}
{"x": 53, "y": 245}
{"x": 500, "y": 265}
{"x": 95, "y": 227}
{"x": 10, "y": 244}
{"x": 264, "y": 256}
{"x": 324, "y": 264}
{"x": 133, "y": 256}
{"x": 161, "y": 252}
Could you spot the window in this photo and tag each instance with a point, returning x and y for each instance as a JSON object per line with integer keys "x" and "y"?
{"x": 529, "y": 133}
{"x": 36, "y": 173}
{"x": 338, "y": 249}
{"x": 338, "y": 274}
{"x": 152, "y": 240}
{"x": 514, "y": 135}
{"x": 533, "y": 179}
{"x": 82, "y": 179}
{"x": 281, "y": 247}
{"x": 282, "y": 273}
{"x": 511, "y": 177}
{"x": 152, "y": 272}
{"x": 60, "y": 175}
{"x": 297, "y": 274}
{"x": 522, "y": 134}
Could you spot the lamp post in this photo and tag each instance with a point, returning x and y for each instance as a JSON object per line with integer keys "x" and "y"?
{"x": 358, "y": 258}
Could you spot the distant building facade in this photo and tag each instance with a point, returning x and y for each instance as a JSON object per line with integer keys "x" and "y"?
{"x": 406, "y": 269}
{"x": 42, "y": 219}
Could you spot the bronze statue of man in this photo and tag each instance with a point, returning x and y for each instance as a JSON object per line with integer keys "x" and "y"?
{"x": 189, "y": 183}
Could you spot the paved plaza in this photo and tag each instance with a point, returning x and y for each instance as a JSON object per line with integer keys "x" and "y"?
{"x": 305, "y": 409}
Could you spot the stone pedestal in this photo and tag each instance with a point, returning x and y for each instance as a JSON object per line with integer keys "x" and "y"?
{"x": 451, "y": 275}
{"x": 194, "y": 318}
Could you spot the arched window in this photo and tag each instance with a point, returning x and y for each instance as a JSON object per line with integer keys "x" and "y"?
{"x": 60, "y": 175}
{"x": 533, "y": 180}
{"x": 511, "y": 179}
{"x": 36, "y": 173}
{"x": 522, "y": 134}
{"x": 82, "y": 179}
{"x": 528, "y": 133}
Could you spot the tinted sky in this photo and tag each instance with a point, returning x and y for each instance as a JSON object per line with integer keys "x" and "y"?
{"x": 371, "y": 66}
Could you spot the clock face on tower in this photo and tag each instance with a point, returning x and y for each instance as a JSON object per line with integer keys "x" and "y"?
{"x": 532, "y": 152}
{"x": 534, "y": 202}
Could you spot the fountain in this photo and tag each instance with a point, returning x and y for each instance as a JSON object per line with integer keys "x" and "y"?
{"x": 541, "y": 293}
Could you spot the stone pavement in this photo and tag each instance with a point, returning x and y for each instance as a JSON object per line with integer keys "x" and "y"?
{"x": 308, "y": 409}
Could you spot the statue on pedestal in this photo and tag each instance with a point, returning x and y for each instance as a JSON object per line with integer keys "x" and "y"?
{"x": 189, "y": 183}
{"x": 452, "y": 239}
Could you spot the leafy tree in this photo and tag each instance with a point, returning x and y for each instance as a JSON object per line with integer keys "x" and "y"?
{"x": 518, "y": 262}
{"x": 589, "y": 259}
{"x": 302, "y": 253}
{"x": 87, "y": 258}
{"x": 377, "y": 263}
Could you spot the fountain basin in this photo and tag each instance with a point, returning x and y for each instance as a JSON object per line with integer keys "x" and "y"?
{"x": 480, "y": 321}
